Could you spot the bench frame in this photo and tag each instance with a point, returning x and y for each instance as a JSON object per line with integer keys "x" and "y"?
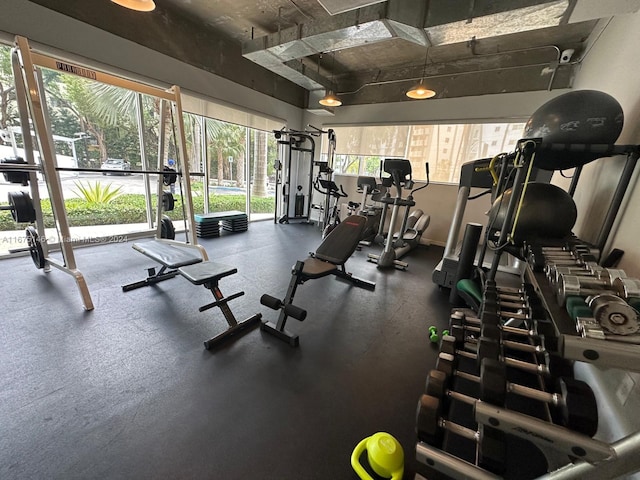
{"x": 186, "y": 257}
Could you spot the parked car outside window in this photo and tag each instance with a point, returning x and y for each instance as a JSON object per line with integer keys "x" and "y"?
{"x": 116, "y": 164}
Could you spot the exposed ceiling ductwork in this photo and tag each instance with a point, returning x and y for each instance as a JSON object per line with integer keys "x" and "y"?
{"x": 368, "y": 51}
{"x": 293, "y": 52}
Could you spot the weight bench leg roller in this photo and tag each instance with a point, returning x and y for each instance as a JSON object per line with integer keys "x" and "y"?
{"x": 286, "y": 309}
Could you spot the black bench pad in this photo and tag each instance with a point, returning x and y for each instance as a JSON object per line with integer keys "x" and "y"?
{"x": 171, "y": 256}
{"x": 204, "y": 272}
{"x": 315, "y": 268}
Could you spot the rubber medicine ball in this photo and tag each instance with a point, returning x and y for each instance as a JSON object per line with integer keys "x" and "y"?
{"x": 548, "y": 212}
{"x": 579, "y": 117}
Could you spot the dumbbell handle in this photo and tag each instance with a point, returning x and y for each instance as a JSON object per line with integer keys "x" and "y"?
{"x": 536, "y": 369}
{"x": 449, "y": 464}
{"x": 505, "y": 328}
{"x": 525, "y": 347}
{"x": 528, "y": 392}
{"x": 459, "y": 430}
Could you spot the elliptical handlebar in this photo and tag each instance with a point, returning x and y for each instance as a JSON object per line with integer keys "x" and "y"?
{"x": 330, "y": 188}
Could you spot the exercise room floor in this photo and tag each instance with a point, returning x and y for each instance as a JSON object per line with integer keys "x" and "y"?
{"x": 127, "y": 391}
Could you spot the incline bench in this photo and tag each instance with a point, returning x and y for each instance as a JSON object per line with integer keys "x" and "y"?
{"x": 179, "y": 258}
{"x": 328, "y": 259}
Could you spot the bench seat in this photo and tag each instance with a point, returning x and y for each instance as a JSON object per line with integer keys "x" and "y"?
{"x": 204, "y": 272}
{"x": 167, "y": 254}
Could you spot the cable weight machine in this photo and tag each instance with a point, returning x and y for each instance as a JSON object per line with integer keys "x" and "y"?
{"x": 295, "y": 175}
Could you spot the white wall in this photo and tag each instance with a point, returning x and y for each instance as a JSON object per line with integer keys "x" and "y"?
{"x": 610, "y": 66}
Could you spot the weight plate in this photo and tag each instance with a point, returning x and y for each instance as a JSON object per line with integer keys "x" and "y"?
{"x": 427, "y": 418}
{"x": 35, "y": 247}
{"x": 614, "y": 314}
{"x": 167, "y": 229}
{"x": 22, "y": 209}
{"x": 168, "y": 202}
{"x": 169, "y": 178}
{"x": 493, "y": 382}
{"x": 436, "y": 384}
{"x": 626, "y": 287}
{"x": 579, "y": 411}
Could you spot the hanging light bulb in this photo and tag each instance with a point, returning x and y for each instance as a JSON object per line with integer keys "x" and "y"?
{"x": 138, "y": 5}
{"x": 420, "y": 91}
{"x": 330, "y": 100}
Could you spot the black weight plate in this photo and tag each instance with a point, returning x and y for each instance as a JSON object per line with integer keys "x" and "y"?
{"x": 35, "y": 247}
{"x": 492, "y": 332}
{"x": 579, "y": 411}
{"x": 436, "y": 384}
{"x": 167, "y": 229}
{"x": 446, "y": 363}
{"x": 169, "y": 178}
{"x": 493, "y": 382}
{"x": 168, "y": 202}
{"x": 427, "y": 417}
{"x": 492, "y": 452}
{"x": 22, "y": 209}
{"x": 448, "y": 345}
{"x": 488, "y": 348}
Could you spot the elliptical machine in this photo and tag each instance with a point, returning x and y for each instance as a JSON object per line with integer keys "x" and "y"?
{"x": 406, "y": 239}
{"x": 368, "y": 186}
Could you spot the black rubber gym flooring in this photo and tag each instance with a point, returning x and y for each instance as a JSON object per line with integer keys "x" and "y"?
{"x": 128, "y": 391}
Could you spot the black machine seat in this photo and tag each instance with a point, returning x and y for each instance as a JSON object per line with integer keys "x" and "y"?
{"x": 168, "y": 254}
{"x": 203, "y": 272}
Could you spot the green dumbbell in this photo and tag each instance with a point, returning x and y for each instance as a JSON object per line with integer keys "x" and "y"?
{"x": 433, "y": 334}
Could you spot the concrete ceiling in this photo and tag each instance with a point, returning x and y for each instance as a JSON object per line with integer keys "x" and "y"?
{"x": 371, "y": 51}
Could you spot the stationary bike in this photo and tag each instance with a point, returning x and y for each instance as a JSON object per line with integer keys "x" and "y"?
{"x": 329, "y": 188}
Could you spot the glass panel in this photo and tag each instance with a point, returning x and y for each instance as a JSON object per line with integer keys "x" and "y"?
{"x": 94, "y": 126}
{"x": 264, "y": 150}
{"x": 445, "y": 147}
{"x": 226, "y": 144}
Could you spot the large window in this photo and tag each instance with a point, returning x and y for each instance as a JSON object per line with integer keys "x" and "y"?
{"x": 360, "y": 150}
{"x": 96, "y": 125}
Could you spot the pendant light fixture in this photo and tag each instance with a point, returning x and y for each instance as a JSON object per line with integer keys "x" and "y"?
{"x": 138, "y": 5}
{"x": 330, "y": 99}
{"x": 420, "y": 91}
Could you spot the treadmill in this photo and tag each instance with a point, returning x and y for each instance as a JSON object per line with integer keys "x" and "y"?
{"x": 475, "y": 174}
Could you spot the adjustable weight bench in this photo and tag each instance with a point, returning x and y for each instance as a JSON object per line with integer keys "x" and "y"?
{"x": 328, "y": 259}
{"x": 190, "y": 262}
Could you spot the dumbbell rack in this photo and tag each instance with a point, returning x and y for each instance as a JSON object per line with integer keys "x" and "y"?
{"x": 605, "y": 353}
{"x": 596, "y": 459}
